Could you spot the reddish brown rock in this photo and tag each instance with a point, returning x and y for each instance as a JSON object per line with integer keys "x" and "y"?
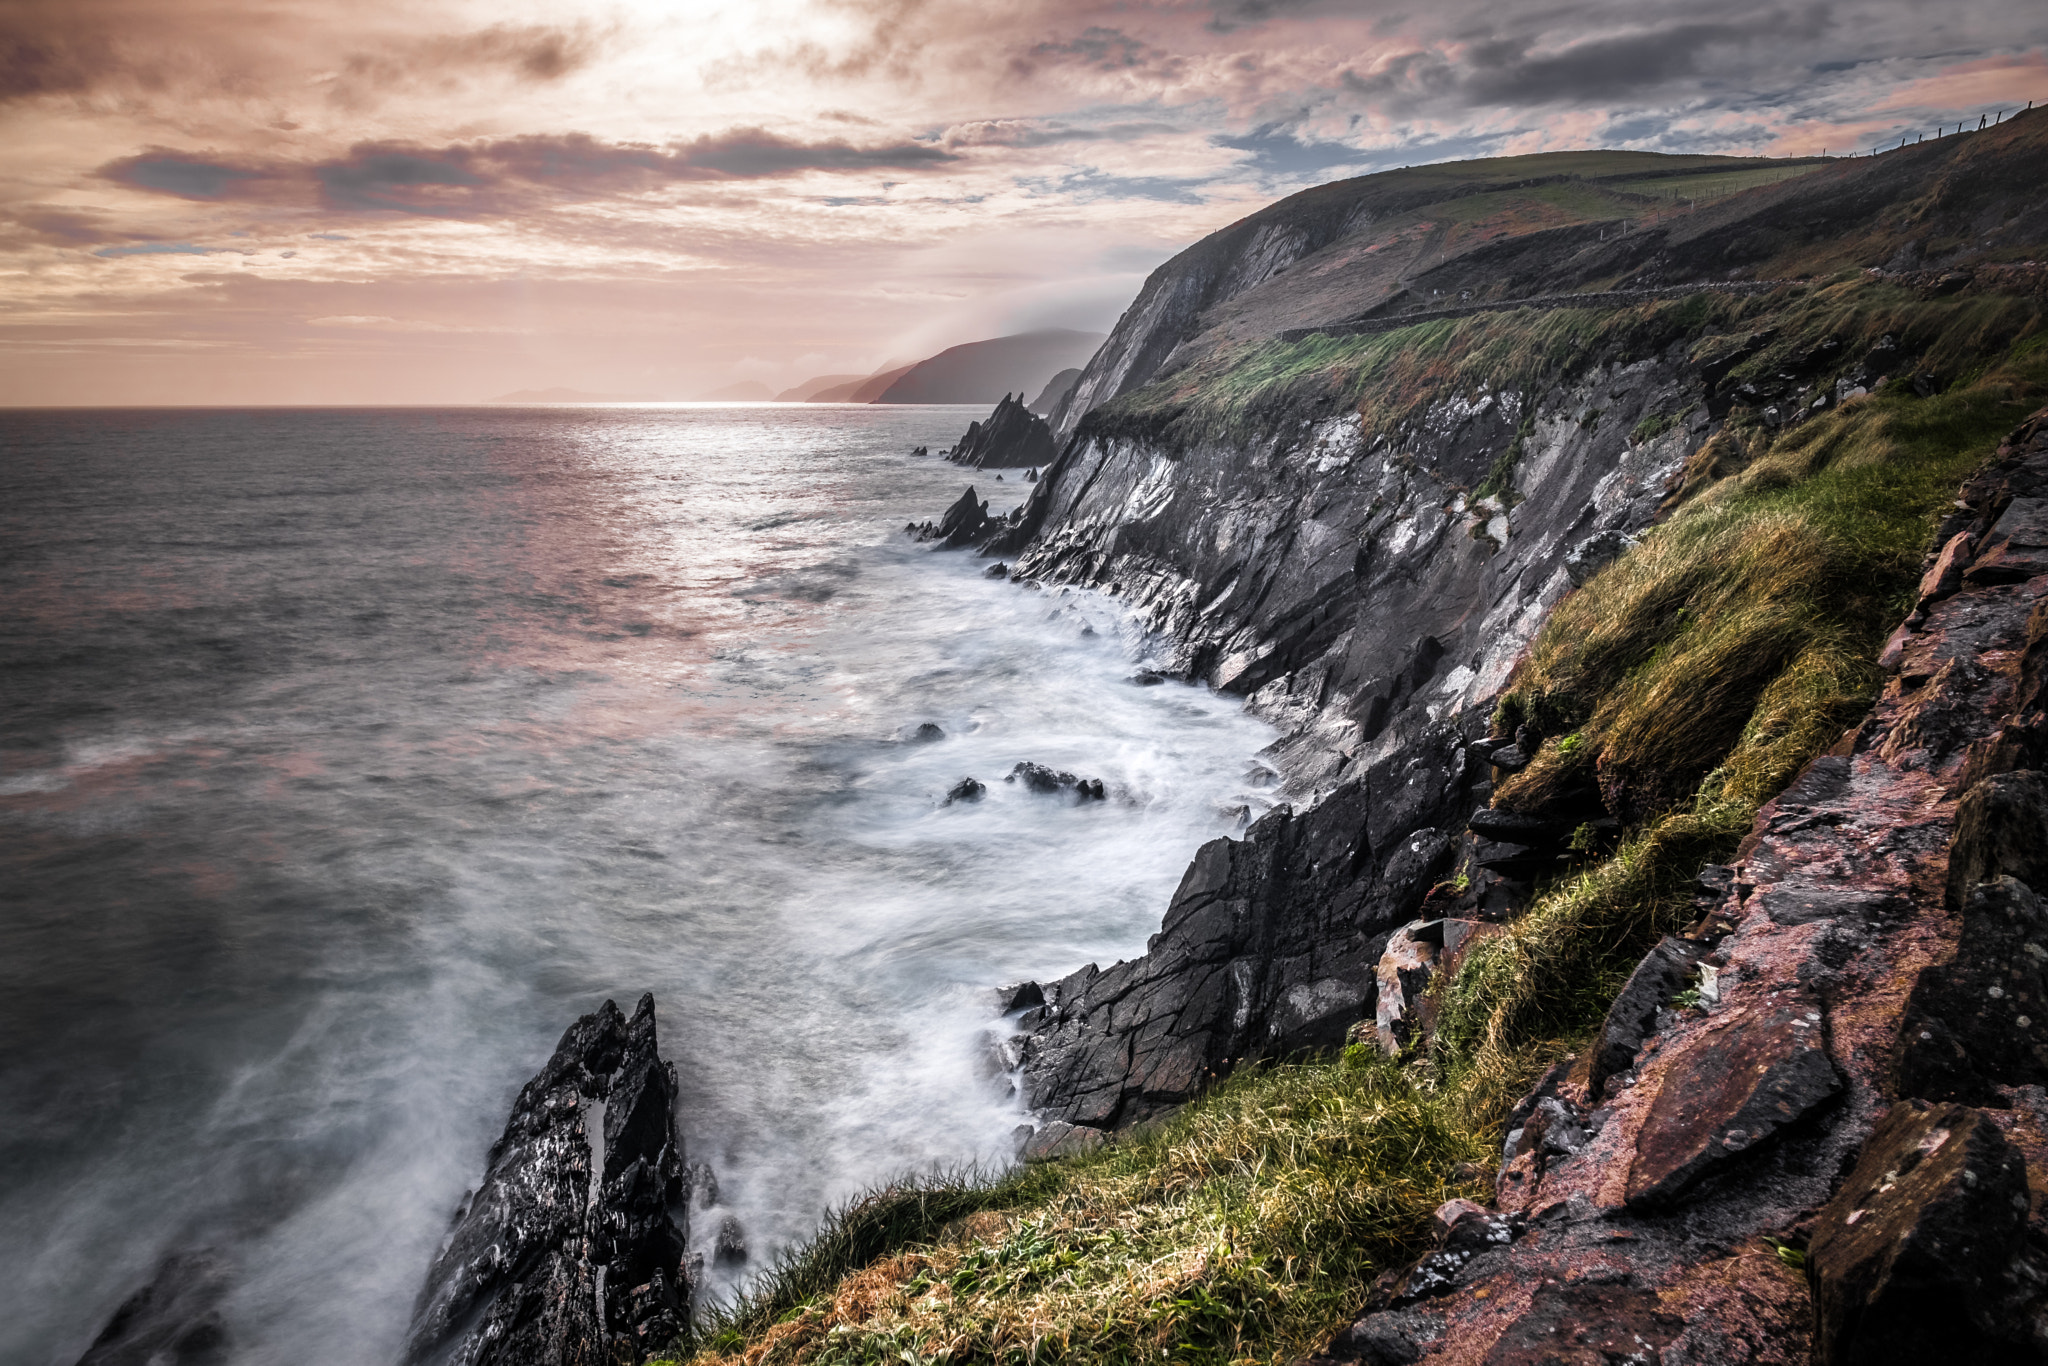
{"x": 1730, "y": 1095}
{"x": 1915, "y": 1260}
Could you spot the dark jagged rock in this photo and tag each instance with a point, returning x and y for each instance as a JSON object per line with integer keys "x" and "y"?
{"x": 175, "y": 1320}
{"x": 730, "y": 1247}
{"x": 966, "y": 790}
{"x": 573, "y": 1251}
{"x": 965, "y": 521}
{"x": 1269, "y": 945}
{"x": 1012, "y": 437}
{"x": 927, "y": 732}
{"x": 1048, "y": 782}
{"x": 1663, "y": 973}
{"x": 1918, "y": 1257}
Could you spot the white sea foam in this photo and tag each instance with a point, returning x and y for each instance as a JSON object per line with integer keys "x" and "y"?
{"x": 556, "y": 706}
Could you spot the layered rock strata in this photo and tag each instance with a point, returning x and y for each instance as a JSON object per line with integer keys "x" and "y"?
{"x": 1857, "y": 1076}
{"x": 573, "y": 1251}
{"x": 1354, "y": 587}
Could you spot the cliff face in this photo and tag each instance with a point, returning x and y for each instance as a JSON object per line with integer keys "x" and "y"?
{"x": 1361, "y": 522}
{"x": 1357, "y": 589}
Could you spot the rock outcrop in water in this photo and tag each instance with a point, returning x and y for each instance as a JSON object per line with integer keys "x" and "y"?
{"x": 573, "y": 1252}
{"x": 1011, "y": 437}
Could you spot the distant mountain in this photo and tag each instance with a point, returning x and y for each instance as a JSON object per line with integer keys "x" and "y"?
{"x": 561, "y": 395}
{"x": 1056, "y": 388}
{"x": 808, "y": 391}
{"x": 984, "y": 371}
{"x": 861, "y": 390}
{"x": 746, "y": 391}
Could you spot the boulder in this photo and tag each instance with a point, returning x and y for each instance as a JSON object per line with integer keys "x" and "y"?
{"x": 1729, "y": 1094}
{"x": 573, "y": 1251}
{"x": 1038, "y": 778}
{"x": 966, "y": 790}
{"x": 1913, "y": 1260}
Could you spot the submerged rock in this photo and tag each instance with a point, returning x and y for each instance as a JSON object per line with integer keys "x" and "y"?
{"x": 573, "y": 1250}
{"x": 966, "y": 790}
{"x": 175, "y": 1320}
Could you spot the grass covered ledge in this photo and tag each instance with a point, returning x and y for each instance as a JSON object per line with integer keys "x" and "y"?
{"x": 1243, "y": 1228}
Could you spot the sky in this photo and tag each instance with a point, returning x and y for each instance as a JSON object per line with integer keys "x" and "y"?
{"x": 438, "y": 201}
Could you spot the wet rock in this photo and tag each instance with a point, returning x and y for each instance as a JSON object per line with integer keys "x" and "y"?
{"x": 572, "y": 1250}
{"x": 2016, "y": 548}
{"x": 1403, "y": 974}
{"x": 730, "y": 1247}
{"x": 1665, "y": 971}
{"x": 998, "y": 570}
{"x": 1979, "y": 1022}
{"x": 927, "y": 733}
{"x": 966, "y": 790}
{"x": 1466, "y": 1231}
{"x": 1146, "y": 678}
{"x": 175, "y": 1320}
{"x": 1594, "y": 554}
{"x": 1730, "y": 1093}
{"x": 1022, "y": 996}
{"x": 1038, "y": 778}
{"x": 965, "y": 522}
{"x": 1999, "y": 833}
{"x": 1915, "y": 1259}
{"x": 1057, "y": 1138}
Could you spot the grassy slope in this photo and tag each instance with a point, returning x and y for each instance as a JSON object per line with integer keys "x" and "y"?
{"x": 1248, "y": 1225}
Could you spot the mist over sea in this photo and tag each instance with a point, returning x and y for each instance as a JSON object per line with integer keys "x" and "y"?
{"x": 346, "y": 756}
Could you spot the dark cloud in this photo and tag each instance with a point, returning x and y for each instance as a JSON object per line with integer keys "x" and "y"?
{"x": 487, "y": 179}
{"x": 1504, "y": 72}
{"x": 80, "y": 47}
{"x": 1282, "y": 156}
{"x": 187, "y": 177}
{"x": 1234, "y": 14}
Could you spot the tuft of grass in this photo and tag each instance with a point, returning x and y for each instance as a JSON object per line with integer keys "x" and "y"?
{"x": 1246, "y": 1226}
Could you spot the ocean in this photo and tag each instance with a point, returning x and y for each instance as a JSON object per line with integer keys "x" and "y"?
{"x": 347, "y": 755}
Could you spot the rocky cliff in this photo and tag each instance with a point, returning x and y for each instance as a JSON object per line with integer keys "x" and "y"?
{"x": 1355, "y": 497}
{"x": 1813, "y": 1125}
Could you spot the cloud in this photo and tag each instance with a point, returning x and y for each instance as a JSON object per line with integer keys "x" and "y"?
{"x": 242, "y": 48}
{"x": 495, "y": 177}
{"x": 159, "y": 249}
{"x": 188, "y": 177}
{"x": 1045, "y": 132}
